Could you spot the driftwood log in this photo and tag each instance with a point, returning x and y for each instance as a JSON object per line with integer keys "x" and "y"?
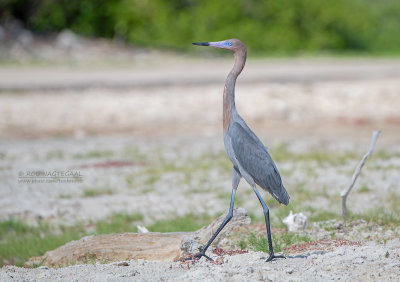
{"x": 149, "y": 246}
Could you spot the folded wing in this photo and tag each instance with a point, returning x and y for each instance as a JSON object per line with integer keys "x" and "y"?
{"x": 256, "y": 161}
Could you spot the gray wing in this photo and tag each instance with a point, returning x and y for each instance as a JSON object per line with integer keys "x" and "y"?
{"x": 255, "y": 160}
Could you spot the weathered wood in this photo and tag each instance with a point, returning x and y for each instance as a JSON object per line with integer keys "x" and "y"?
{"x": 149, "y": 246}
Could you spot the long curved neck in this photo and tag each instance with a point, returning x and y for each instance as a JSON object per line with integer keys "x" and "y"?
{"x": 229, "y": 90}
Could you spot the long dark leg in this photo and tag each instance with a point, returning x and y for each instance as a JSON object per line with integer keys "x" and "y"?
{"x": 235, "y": 182}
{"x": 226, "y": 220}
{"x": 266, "y": 215}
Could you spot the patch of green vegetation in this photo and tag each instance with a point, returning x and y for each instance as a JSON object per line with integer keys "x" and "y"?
{"x": 186, "y": 223}
{"x": 147, "y": 189}
{"x": 134, "y": 154}
{"x": 298, "y": 202}
{"x": 154, "y": 173}
{"x": 385, "y": 155}
{"x": 94, "y": 154}
{"x": 95, "y": 192}
{"x": 19, "y": 241}
{"x": 204, "y": 163}
{"x": 287, "y": 172}
{"x": 364, "y": 189}
{"x": 89, "y": 259}
{"x": 118, "y": 223}
{"x": 307, "y": 25}
{"x": 256, "y": 218}
{"x": 242, "y": 244}
{"x": 304, "y": 194}
{"x": 379, "y": 216}
{"x": 194, "y": 166}
{"x": 322, "y": 215}
{"x": 270, "y": 202}
{"x": 384, "y": 167}
{"x": 392, "y": 201}
{"x": 222, "y": 195}
{"x": 239, "y": 200}
{"x": 260, "y": 243}
{"x": 150, "y": 173}
{"x": 129, "y": 179}
{"x": 282, "y": 153}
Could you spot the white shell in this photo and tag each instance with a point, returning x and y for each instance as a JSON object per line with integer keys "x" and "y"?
{"x": 142, "y": 229}
{"x": 295, "y": 222}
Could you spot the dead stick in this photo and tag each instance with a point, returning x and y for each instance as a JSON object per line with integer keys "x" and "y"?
{"x": 345, "y": 193}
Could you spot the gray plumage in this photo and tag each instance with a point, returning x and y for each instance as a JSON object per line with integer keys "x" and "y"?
{"x": 247, "y": 153}
{"x": 250, "y": 157}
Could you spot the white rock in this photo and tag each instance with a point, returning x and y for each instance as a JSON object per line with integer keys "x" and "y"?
{"x": 295, "y": 222}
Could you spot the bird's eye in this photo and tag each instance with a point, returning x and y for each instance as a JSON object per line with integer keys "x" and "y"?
{"x": 228, "y": 44}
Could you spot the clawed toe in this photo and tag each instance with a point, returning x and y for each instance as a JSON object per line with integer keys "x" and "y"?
{"x": 272, "y": 257}
{"x": 198, "y": 256}
{"x": 202, "y": 254}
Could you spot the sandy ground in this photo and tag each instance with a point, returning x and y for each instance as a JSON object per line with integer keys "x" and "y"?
{"x": 58, "y": 119}
{"x": 370, "y": 262}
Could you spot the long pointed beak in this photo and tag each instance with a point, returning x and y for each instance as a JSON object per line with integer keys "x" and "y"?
{"x": 201, "y": 43}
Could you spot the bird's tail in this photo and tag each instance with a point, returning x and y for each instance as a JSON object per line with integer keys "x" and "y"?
{"x": 283, "y": 196}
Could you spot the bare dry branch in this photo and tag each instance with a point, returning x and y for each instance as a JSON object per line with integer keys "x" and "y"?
{"x": 345, "y": 193}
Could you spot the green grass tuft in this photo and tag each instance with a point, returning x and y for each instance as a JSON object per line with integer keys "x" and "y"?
{"x": 94, "y": 154}
{"x": 94, "y": 192}
{"x": 260, "y": 243}
{"x": 364, "y": 189}
{"x": 186, "y": 223}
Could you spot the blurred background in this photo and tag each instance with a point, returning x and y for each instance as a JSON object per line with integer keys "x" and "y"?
{"x": 113, "y": 94}
{"x": 267, "y": 27}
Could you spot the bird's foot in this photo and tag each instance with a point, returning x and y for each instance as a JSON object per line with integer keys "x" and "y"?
{"x": 202, "y": 253}
{"x": 272, "y": 257}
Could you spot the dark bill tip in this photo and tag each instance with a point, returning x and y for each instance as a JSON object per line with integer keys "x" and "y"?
{"x": 201, "y": 43}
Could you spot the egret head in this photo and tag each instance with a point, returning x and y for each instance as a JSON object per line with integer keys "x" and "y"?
{"x": 232, "y": 45}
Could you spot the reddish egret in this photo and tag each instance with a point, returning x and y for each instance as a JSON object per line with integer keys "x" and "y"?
{"x": 248, "y": 155}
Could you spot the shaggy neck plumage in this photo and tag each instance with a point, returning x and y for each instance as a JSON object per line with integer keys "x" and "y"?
{"x": 229, "y": 90}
